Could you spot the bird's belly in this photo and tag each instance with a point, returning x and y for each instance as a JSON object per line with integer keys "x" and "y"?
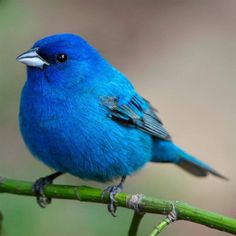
{"x": 90, "y": 146}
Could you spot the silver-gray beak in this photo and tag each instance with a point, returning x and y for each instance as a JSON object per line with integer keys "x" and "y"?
{"x": 32, "y": 58}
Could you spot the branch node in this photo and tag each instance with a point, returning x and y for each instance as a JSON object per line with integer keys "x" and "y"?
{"x": 172, "y": 216}
{"x": 77, "y": 194}
{"x": 133, "y": 202}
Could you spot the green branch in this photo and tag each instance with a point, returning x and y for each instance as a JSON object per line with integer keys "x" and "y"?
{"x": 136, "y": 220}
{"x": 171, "y": 217}
{"x": 138, "y": 202}
{"x": 161, "y": 226}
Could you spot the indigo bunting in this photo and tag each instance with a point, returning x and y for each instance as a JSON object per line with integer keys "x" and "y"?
{"x": 80, "y": 115}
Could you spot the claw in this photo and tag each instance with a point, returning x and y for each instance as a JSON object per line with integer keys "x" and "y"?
{"x": 112, "y": 209}
{"x": 112, "y": 197}
{"x": 113, "y": 190}
{"x": 105, "y": 191}
{"x": 38, "y": 189}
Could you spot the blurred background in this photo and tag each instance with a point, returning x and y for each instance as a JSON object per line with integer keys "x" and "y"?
{"x": 180, "y": 55}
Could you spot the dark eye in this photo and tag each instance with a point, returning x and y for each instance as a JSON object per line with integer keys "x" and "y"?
{"x": 61, "y": 57}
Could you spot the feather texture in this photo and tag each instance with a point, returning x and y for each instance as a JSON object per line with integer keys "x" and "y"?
{"x": 83, "y": 117}
{"x": 137, "y": 112}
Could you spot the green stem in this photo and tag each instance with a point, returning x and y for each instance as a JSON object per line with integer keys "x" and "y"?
{"x": 162, "y": 225}
{"x": 145, "y": 204}
{"x": 136, "y": 220}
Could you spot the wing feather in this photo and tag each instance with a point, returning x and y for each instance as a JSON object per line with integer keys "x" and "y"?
{"x": 139, "y": 113}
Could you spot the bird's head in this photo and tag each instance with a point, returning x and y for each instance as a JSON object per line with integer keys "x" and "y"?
{"x": 62, "y": 60}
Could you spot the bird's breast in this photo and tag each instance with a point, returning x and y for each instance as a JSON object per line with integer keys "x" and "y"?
{"x": 76, "y": 135}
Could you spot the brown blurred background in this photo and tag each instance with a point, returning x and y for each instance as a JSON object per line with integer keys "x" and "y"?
{"x": 180, "y": 55}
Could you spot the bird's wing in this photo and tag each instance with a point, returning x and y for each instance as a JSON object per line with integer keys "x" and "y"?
{"x": 136, "y": 112}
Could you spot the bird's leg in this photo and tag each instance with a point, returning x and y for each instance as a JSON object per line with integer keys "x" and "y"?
{"x": 113, "y": 190}
{"x": 40, "y": 184}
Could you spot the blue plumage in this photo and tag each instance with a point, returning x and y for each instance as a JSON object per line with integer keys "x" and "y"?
{"x": 80, "y": 115}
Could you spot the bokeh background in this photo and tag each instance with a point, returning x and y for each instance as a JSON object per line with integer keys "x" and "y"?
{"x": 180, "y": 55}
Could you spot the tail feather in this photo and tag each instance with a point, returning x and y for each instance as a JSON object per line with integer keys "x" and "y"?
{"x": 166, "y": 151}
{"x": 197, "y": 169}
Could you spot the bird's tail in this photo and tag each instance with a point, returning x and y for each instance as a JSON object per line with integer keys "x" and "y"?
{"x": 166, "y": 151}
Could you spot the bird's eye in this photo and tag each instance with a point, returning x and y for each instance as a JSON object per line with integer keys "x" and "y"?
{"x": 61, "y": 57}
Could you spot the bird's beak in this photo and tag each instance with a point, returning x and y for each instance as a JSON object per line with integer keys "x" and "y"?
{"x": 32, "y": 58}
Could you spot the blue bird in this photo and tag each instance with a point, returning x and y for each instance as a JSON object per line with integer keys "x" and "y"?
{"x": 80, "y": 115}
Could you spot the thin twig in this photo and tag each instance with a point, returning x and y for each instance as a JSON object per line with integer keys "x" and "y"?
{"x": 162, "y": 225}
{"x": 171, "y": 217}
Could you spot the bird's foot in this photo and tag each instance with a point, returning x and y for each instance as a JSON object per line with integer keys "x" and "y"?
{"x": 112, "y": 191}
{"x": 38, "y": 189}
